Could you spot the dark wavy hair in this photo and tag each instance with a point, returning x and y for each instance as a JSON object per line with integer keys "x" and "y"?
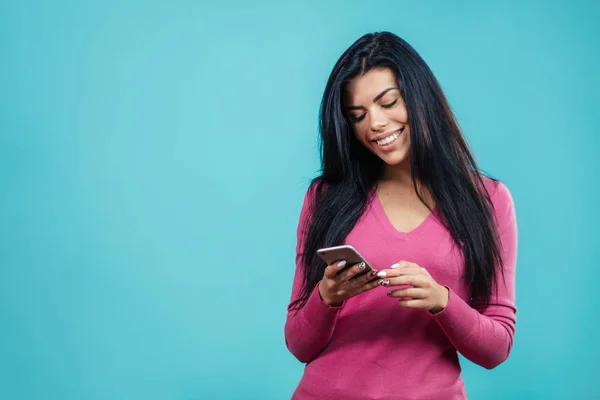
{"x": 440, "y": 161}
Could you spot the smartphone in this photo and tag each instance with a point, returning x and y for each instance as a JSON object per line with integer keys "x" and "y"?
{"x": 332, "y": 255}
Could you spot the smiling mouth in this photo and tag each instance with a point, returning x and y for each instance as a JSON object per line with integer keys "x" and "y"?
{"x": 389, "y": 139}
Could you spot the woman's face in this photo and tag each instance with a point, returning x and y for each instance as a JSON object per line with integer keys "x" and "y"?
{"x": 378, "y": 115}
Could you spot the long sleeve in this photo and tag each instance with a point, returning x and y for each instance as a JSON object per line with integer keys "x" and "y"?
{"x": 309, "y": 329}
{"x": 486, "y": 338}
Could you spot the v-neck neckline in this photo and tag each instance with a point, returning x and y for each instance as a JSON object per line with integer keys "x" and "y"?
{"x": 387, "y": 224}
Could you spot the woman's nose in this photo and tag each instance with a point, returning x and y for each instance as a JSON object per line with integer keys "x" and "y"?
{"x": 378, "y": 121}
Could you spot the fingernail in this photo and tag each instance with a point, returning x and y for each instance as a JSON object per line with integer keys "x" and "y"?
{"x": 360, "y": 266}
{"x": 382, "y": 274}
{"x": 372, "y": 273}
{"x": 380, "y": 282}
{"x": 395, "y": 265}
{"x": 389, "y": 294}
{"x": 341, "y": 264}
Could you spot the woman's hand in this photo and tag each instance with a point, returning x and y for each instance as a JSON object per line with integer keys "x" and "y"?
{"x": 423, "y": 291}
{"x": 338, "y": 285}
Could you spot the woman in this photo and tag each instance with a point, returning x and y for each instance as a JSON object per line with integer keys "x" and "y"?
{"x": 400, "y": 185}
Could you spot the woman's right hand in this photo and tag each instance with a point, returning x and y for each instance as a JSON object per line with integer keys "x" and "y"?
{"x": 337, "y": 286}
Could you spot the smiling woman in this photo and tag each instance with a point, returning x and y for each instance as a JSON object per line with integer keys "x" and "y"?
{"x": 386, "y": 111}
{"x": 399, "y": 184}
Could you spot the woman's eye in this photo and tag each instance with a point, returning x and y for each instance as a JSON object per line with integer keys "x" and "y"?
{"x": 389, "y": 105}
{"x": 357, "y": 119}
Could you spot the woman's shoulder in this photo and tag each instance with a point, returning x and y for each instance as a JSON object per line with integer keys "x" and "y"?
{"x": 315, "y": 188}
{"x": 497, "y": 190}
{"x": 500, "y": 196}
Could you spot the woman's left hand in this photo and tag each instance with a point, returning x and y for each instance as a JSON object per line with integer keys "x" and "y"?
{"x": 425, "y": 293}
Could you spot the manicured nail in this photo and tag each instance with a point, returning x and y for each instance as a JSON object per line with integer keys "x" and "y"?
{"x": 395, "y": 265}
{"x": 380, "y": 282}
{"x": 360, "y": 266}
{"x": 341, "y": 264}
{"x": 382, "y": 274}
{"x": 389, "y": 294}
{"x": 372, "y": 273}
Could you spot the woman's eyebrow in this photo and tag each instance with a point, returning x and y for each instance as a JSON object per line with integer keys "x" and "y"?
{"x": 380, "y": 95}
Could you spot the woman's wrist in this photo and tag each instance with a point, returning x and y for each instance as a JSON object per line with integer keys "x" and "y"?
{"x": 443, "y": 300}
{"x": 325, "y": 298}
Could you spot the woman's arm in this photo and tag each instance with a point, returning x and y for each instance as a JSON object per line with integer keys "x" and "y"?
{"x": 309, "y": 329}
{"x": 486, "y": 338}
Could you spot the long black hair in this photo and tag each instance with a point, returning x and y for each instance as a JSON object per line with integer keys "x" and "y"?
{"x": 440, "y": 161}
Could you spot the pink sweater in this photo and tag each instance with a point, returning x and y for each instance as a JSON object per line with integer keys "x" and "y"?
{"x": 372, "y": 348}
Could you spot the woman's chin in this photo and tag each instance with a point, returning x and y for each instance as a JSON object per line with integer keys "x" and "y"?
{"x": 395, "y": 158}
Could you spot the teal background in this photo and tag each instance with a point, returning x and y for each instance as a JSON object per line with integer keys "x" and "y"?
{"x": 154, "y": 157}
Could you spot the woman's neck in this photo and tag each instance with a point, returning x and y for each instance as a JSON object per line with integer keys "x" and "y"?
{"x": 397, "y": 179}
{"x": 398, "y": 175}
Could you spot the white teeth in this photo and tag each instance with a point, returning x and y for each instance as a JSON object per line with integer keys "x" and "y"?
{"x": 389, "y": 139}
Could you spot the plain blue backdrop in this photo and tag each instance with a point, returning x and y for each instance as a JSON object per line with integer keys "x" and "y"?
{"x": 154, "y": 157}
